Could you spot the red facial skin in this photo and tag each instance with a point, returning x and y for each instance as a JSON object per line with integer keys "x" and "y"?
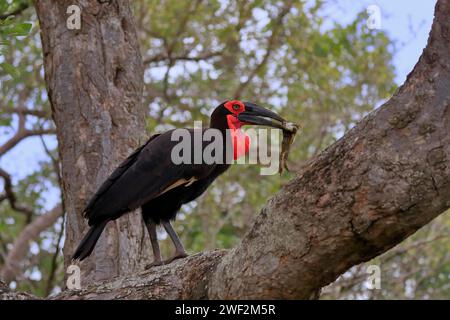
{"x": 240, "y": 141}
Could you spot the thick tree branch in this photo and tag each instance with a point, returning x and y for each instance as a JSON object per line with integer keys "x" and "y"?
{"x": 386, "y": 178}
{"x": 183, "y": 279}
{"x": 7, "y": 294}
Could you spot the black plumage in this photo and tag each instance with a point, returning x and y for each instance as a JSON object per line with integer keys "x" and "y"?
{"x": 149, "y": 179}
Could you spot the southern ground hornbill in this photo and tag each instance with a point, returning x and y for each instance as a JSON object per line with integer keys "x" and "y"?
{"x": 149, "y": 179}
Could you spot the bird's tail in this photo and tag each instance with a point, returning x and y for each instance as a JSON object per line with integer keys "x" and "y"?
{"x": 88, "y": 243}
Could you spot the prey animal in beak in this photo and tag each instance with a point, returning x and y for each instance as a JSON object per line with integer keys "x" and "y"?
{"x": 257, "y": 115}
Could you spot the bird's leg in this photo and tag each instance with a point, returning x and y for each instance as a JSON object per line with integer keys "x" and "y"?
{"x": 157, "y": 260}
{"x": 179, "y": 249}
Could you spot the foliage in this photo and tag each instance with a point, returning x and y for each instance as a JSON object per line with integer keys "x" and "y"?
{"x": 22, "y": 86}
{"x": 325, "y": 78}
{"x": 197, "y": 54}
{"x": 10, "y": 27}
{"x": 419, "y": 267}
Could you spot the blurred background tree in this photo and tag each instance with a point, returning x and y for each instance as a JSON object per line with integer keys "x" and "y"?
{"x": 285, "y": 55}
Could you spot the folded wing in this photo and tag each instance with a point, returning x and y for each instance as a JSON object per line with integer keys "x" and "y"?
{"x": 144, "y": 175}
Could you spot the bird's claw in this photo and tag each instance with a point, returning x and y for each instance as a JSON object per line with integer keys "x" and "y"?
{"x": 177, "y": 256}
{"x": 154, "y": 264}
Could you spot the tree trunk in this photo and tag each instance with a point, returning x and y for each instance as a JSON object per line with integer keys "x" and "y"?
{"x": 94, "y": 80}
{"x": 386, "y": 178}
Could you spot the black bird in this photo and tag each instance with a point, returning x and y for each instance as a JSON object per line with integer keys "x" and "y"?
{"x": 149, "y": 179}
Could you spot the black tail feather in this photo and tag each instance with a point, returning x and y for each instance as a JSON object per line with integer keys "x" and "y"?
{"x": 89, "y": 241}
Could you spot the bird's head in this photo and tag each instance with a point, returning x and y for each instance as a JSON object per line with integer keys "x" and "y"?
{"x": 234, "y": 114}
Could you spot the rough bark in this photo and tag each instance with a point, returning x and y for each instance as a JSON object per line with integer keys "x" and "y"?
{"x": 7, "y": 294}
{"x": 382, "y": 181}
{"x": 386, "y": 178}
{"x": 183, "y": 279}
{"x": 94, "y": 80}
{"x": 19, "y": 250}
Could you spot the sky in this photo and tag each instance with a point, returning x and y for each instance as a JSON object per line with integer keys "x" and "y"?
{"x": 407, "y": 22}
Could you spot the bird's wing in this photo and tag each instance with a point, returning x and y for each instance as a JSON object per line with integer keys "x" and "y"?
{"x": 143, "y": 176}
{"x": 117, "y": 173}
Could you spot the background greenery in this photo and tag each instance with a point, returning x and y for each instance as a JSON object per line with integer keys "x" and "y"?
{"x": 197, "y": 54}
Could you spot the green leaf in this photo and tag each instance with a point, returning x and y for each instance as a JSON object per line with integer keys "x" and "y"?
{"x": 9, "y": 69}
{"x": 3, "y": 6}
{"x": 21, "y": 29}
{"x": 5, "y": 42}
{"x": 5, "y": 121}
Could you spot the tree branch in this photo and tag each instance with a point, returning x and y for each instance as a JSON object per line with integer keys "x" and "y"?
{"x": 22, "y": 7}
{"x": 7, "y": 294}
{"x": 386, "y": 178}
{"x": 11, "y": 197}
{"x": 278, "y": 24}
{"x": 20, "y": 247}
{"x": 181, "y": 57}
{"x": 381, "y": 182}
{"x": 31, "y": 112}
{"x": 22, "y": 134}
{"x": 54, "y": 263}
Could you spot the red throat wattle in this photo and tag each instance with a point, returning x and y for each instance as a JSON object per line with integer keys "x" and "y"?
{"x": 239, "y": 140}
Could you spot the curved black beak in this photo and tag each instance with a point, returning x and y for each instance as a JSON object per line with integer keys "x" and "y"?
{"x": 257, "y": 115}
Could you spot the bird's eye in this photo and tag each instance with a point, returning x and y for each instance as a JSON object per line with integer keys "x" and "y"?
{"x": 236, "y": 107}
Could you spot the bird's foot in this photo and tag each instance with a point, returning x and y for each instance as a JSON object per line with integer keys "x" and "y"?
{"x": 154, "y": 264}
{"x": 178, "y": 255}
